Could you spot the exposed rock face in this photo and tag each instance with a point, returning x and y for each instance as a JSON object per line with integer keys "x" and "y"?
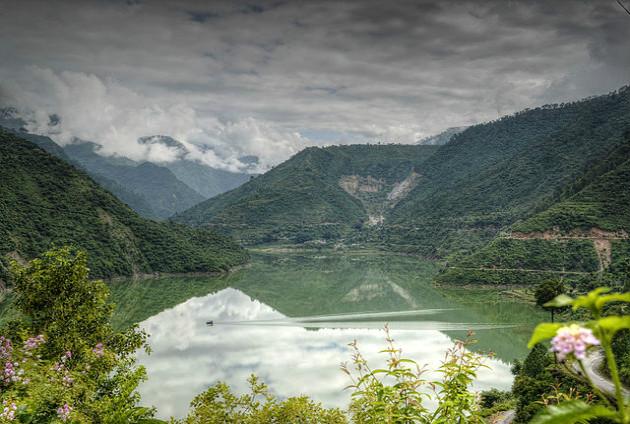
{"x": 376, "y": 195}
{"x": 402, "y": 189}
{"x": 355, "y": 184}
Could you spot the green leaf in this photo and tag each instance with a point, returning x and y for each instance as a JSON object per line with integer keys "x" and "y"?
{"x": 589, "y": 301}
{"x": 543, "y": 332}
{"x": 559, "y": 301}
{"x": 615, "y": 297}
{"x": 575, "y": 411}
{"x": 614, "y": 323}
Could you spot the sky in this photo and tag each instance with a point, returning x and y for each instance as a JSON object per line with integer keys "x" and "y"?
{"x": 232, "y": 78}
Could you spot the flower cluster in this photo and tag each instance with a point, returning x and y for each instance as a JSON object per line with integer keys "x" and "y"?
{"x": 11, "y": 372}
{"x": 8, "y": 412}
{"x": 63, "y": 412}
{"x": 34, "y": 342}
{"x": 6, "y": 348}
{"x": 99, "y": 350}
{"x": 60, "y": 367}
{"x": 573, "y": 340}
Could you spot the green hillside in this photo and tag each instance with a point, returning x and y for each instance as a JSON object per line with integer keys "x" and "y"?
{"x": 44, "y": 201}
{"x": 492, "y": 175}
{"x": 205, "y": 180}
{"x": 585, "y": 233}
{"x": 153, "y": 185}
{"x": 320, "y": 193}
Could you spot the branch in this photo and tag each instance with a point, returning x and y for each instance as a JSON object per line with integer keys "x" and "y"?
{"x": 623, "y": 6}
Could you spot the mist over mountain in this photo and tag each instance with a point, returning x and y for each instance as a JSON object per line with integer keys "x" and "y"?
{"x": 155, "y": 190}
{"x": 441, "y": 138}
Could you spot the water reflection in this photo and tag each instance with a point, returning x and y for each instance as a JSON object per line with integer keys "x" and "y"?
{"x": 188, "y": 355}
{"x": 288, "y": 318}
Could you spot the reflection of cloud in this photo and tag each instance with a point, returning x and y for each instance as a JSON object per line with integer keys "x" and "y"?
{"x": 188, "y": 356}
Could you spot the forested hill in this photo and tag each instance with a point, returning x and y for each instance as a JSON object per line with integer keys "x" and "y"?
{"x": 158, "y": 192}
{"x": 44, "y": 201}
{"x": 492, "y": 175}
{"x": 436, "y": 201}
{"x": 587, "y": 232}
{"x": 319, "y": 194}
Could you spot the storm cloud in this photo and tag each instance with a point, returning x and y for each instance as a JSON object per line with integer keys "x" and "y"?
{"x": 229, "y": 78}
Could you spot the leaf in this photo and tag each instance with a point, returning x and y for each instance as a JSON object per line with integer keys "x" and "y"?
{"x": 615, "y": 297}
{"x": 575, "y": 411}
{"x": 589, "y": 300}
{"x": 614, "y": 323}
{"x": 543, "y": 332}
{"x": 559, "y": 301}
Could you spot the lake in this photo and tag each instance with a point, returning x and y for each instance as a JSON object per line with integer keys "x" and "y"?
{"x": 289, "y": 318}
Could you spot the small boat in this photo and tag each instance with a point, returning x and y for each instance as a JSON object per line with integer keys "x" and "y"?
{"x": 209, "y": 322}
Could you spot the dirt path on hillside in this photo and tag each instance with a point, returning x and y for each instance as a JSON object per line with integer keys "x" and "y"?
{"x": 602, "y": 240}
{"x": 551, "y": 271}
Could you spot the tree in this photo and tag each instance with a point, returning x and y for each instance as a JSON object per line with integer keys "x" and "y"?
{"x": 546, "y": 292}
{"x": 67, "y": 362}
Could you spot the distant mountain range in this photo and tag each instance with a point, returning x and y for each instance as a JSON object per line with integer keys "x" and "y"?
{"x": 154, "y": 190}
{"x": 45, "y": 201}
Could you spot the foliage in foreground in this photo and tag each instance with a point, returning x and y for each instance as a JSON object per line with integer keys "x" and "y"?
{"x": 396, "y": 394}
{"x": 218, "y": 405}
{"x": 572, "y": 342}
{"x": 62, "y": 361}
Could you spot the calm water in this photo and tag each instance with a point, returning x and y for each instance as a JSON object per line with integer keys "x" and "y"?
{"x": 289, "y": 319}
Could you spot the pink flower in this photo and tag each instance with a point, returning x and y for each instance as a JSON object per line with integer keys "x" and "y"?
{"x": 33, "y": 342}
{"x": 99, "y": 350}
{"x": 573, "y": 340}
{"x": 6, "y": 348}
{"x": 63, "y": 412}
{"x": 8, "y": 412}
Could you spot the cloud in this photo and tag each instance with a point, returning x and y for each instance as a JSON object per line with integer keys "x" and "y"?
{"x": 107, "y": 113}
{"x": 268, "y": 77}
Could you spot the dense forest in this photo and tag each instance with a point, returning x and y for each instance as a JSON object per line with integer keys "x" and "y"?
{"x": 45, "y": 201}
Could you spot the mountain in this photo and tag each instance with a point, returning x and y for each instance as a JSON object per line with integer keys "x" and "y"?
{"x": 45, "y": 201}
{"x": 204, "y": 179}
{"x": 152, "y": 185}
{"x": 320, "y": 193}
{"x": 436, "y": 201}
{"x": 441, "y": 138}
{"x": 495, "y": 174}
{"x": 582, "y": 236}
{"x": 150, "y": 190}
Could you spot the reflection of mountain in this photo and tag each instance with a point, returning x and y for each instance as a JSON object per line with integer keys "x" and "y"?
{"x": 300, "y": 286}
{"x": 315, "y": 285}
{"x": 306, "y": 286}
{"x": 137, "y": 300}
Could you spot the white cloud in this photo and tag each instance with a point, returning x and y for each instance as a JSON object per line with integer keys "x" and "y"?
{"x": 107, "y": 113}
{"x": 267, "y": 78}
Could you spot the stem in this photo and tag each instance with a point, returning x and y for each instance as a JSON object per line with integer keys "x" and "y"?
{"x": 595, "y": 388}
{"x": 612, "y": 366}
